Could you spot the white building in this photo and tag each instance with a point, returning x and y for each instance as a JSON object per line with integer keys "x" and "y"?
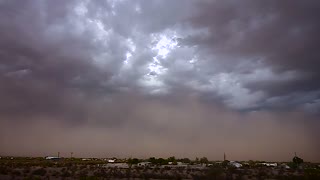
{"x": 111, "y": 160}
{"x": 285, "y": 166}
{"x": 235, "y": 164}
{"x": 52, "y": 158}
{"x": 270, "y": 164}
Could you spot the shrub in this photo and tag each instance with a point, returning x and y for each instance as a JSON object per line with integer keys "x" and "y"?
{"x": 66, "y": 174}
{"x": 55, "y": 174}
{"x": 4, "y": 170}
{"x": 26, "y": 170}
{"x": 40, "y": 172}
{"x": 16, "y": 173}
{"x": 214, "y": 173}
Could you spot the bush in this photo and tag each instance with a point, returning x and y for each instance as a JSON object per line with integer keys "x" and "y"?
{"x": 89, "y": 178}
{"x": 83, "y": 173}
{"x": 66, "y": 174}
{"x": 32, "y": 178}
{"x": 214, "y": 173}
{"x": 4, "y": 170}
{"x": 55, "y": 174}
{"x": 16, "y": 173}
{"x": 26, "y": 170}
{"x": 40, "y": 172}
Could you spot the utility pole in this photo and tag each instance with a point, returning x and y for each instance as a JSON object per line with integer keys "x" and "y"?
{"x": 224, "y": 156}
{"x": 58, "y": 154}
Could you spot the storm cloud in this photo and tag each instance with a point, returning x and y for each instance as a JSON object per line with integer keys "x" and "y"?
{"x": 159, "y": 77}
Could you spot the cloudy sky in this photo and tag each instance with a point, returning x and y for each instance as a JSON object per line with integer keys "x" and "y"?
{"x": 148, "y": 78}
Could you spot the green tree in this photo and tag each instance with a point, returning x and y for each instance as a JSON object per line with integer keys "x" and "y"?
{"x": 185, "y": 160}
{"x": 225, "y": 163}
{"x": 204, "y": 160}
{"x": 133, "y": 161}
{"x": 297, "y": 160}
{"x": 197, "y": 160}
{"x": 172, "y": 159}
{"x": 153, "y": 160}
{"x": 162, "y": 161}
{"x": 251, "y": 163}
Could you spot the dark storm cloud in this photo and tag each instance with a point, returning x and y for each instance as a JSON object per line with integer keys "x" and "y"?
{"x": 47, "y": 67}
{"x": 159, "y": 71}
{"x": 282, "y": 35}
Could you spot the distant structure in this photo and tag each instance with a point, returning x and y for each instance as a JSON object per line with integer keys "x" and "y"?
{"x": 111, "y": 160}
{"x": 71, "y": 154}
{"x": 52, "y": 158}
{"x": 235, "y": 164}
{"x": 58, "y": 154}
{"x": 270, "y": 164}
{"x": 144, "y": 164}
{"x": 224, "y": 156}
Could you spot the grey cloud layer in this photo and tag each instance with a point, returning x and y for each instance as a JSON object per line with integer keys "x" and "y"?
{"x": 244, "y": 53}
{"x": 104, "y": 63}
{"x": 273, "y": 43}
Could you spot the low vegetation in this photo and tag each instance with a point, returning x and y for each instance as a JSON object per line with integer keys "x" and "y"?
{"x": 153, "y": 168}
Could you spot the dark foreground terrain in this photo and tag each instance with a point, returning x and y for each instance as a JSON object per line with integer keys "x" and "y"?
{"x": 72, "y": 168}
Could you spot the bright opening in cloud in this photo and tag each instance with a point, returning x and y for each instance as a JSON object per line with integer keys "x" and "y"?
{"x": 165, "y": 45}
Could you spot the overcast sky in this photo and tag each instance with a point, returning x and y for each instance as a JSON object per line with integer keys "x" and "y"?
{"x": 145, "y": 78}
